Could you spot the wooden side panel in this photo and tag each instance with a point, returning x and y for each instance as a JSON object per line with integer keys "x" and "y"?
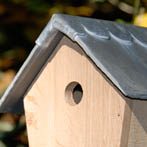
{"x": 138, "y": 128}
{"x": 97, "y": 121}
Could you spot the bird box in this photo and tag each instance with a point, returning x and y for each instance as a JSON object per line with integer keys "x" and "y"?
{"x": 83, "y": 85}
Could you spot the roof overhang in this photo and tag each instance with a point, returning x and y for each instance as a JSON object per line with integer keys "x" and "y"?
{"x": 118, "y": 50}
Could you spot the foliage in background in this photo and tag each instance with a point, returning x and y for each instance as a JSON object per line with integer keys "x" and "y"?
{"x": 21, "y": 22}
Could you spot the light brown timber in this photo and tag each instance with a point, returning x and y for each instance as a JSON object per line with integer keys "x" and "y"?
{"x": 97, "y": 121}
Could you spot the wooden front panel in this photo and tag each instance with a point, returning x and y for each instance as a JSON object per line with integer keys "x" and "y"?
{"x": 98, "y": 119}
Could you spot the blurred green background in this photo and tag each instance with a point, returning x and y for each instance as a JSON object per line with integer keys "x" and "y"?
{"x": 21, "y": 21}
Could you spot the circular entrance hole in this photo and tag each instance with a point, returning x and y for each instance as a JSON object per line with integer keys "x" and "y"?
{"x": 73, "y": 93}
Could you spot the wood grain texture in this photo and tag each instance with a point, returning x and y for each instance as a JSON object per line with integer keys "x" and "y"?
{"x": 126, "y": 123}
{"x": 97, "y": 121}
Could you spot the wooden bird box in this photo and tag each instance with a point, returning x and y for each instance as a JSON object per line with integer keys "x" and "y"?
{"x": 84, "y": 85}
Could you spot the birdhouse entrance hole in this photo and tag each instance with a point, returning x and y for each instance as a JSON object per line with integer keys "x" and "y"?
{"x": 73, "y": 93}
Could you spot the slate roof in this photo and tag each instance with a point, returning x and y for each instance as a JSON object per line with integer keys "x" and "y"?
{"x": 119, "y": 50}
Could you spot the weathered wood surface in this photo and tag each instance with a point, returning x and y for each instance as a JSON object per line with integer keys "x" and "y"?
{"x": 97, "y": 121}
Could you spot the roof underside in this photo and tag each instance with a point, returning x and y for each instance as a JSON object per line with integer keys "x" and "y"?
{"x": 119, "y": 50}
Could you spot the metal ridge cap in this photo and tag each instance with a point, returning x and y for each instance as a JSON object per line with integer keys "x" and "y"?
{"x": 74, "y": 26}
